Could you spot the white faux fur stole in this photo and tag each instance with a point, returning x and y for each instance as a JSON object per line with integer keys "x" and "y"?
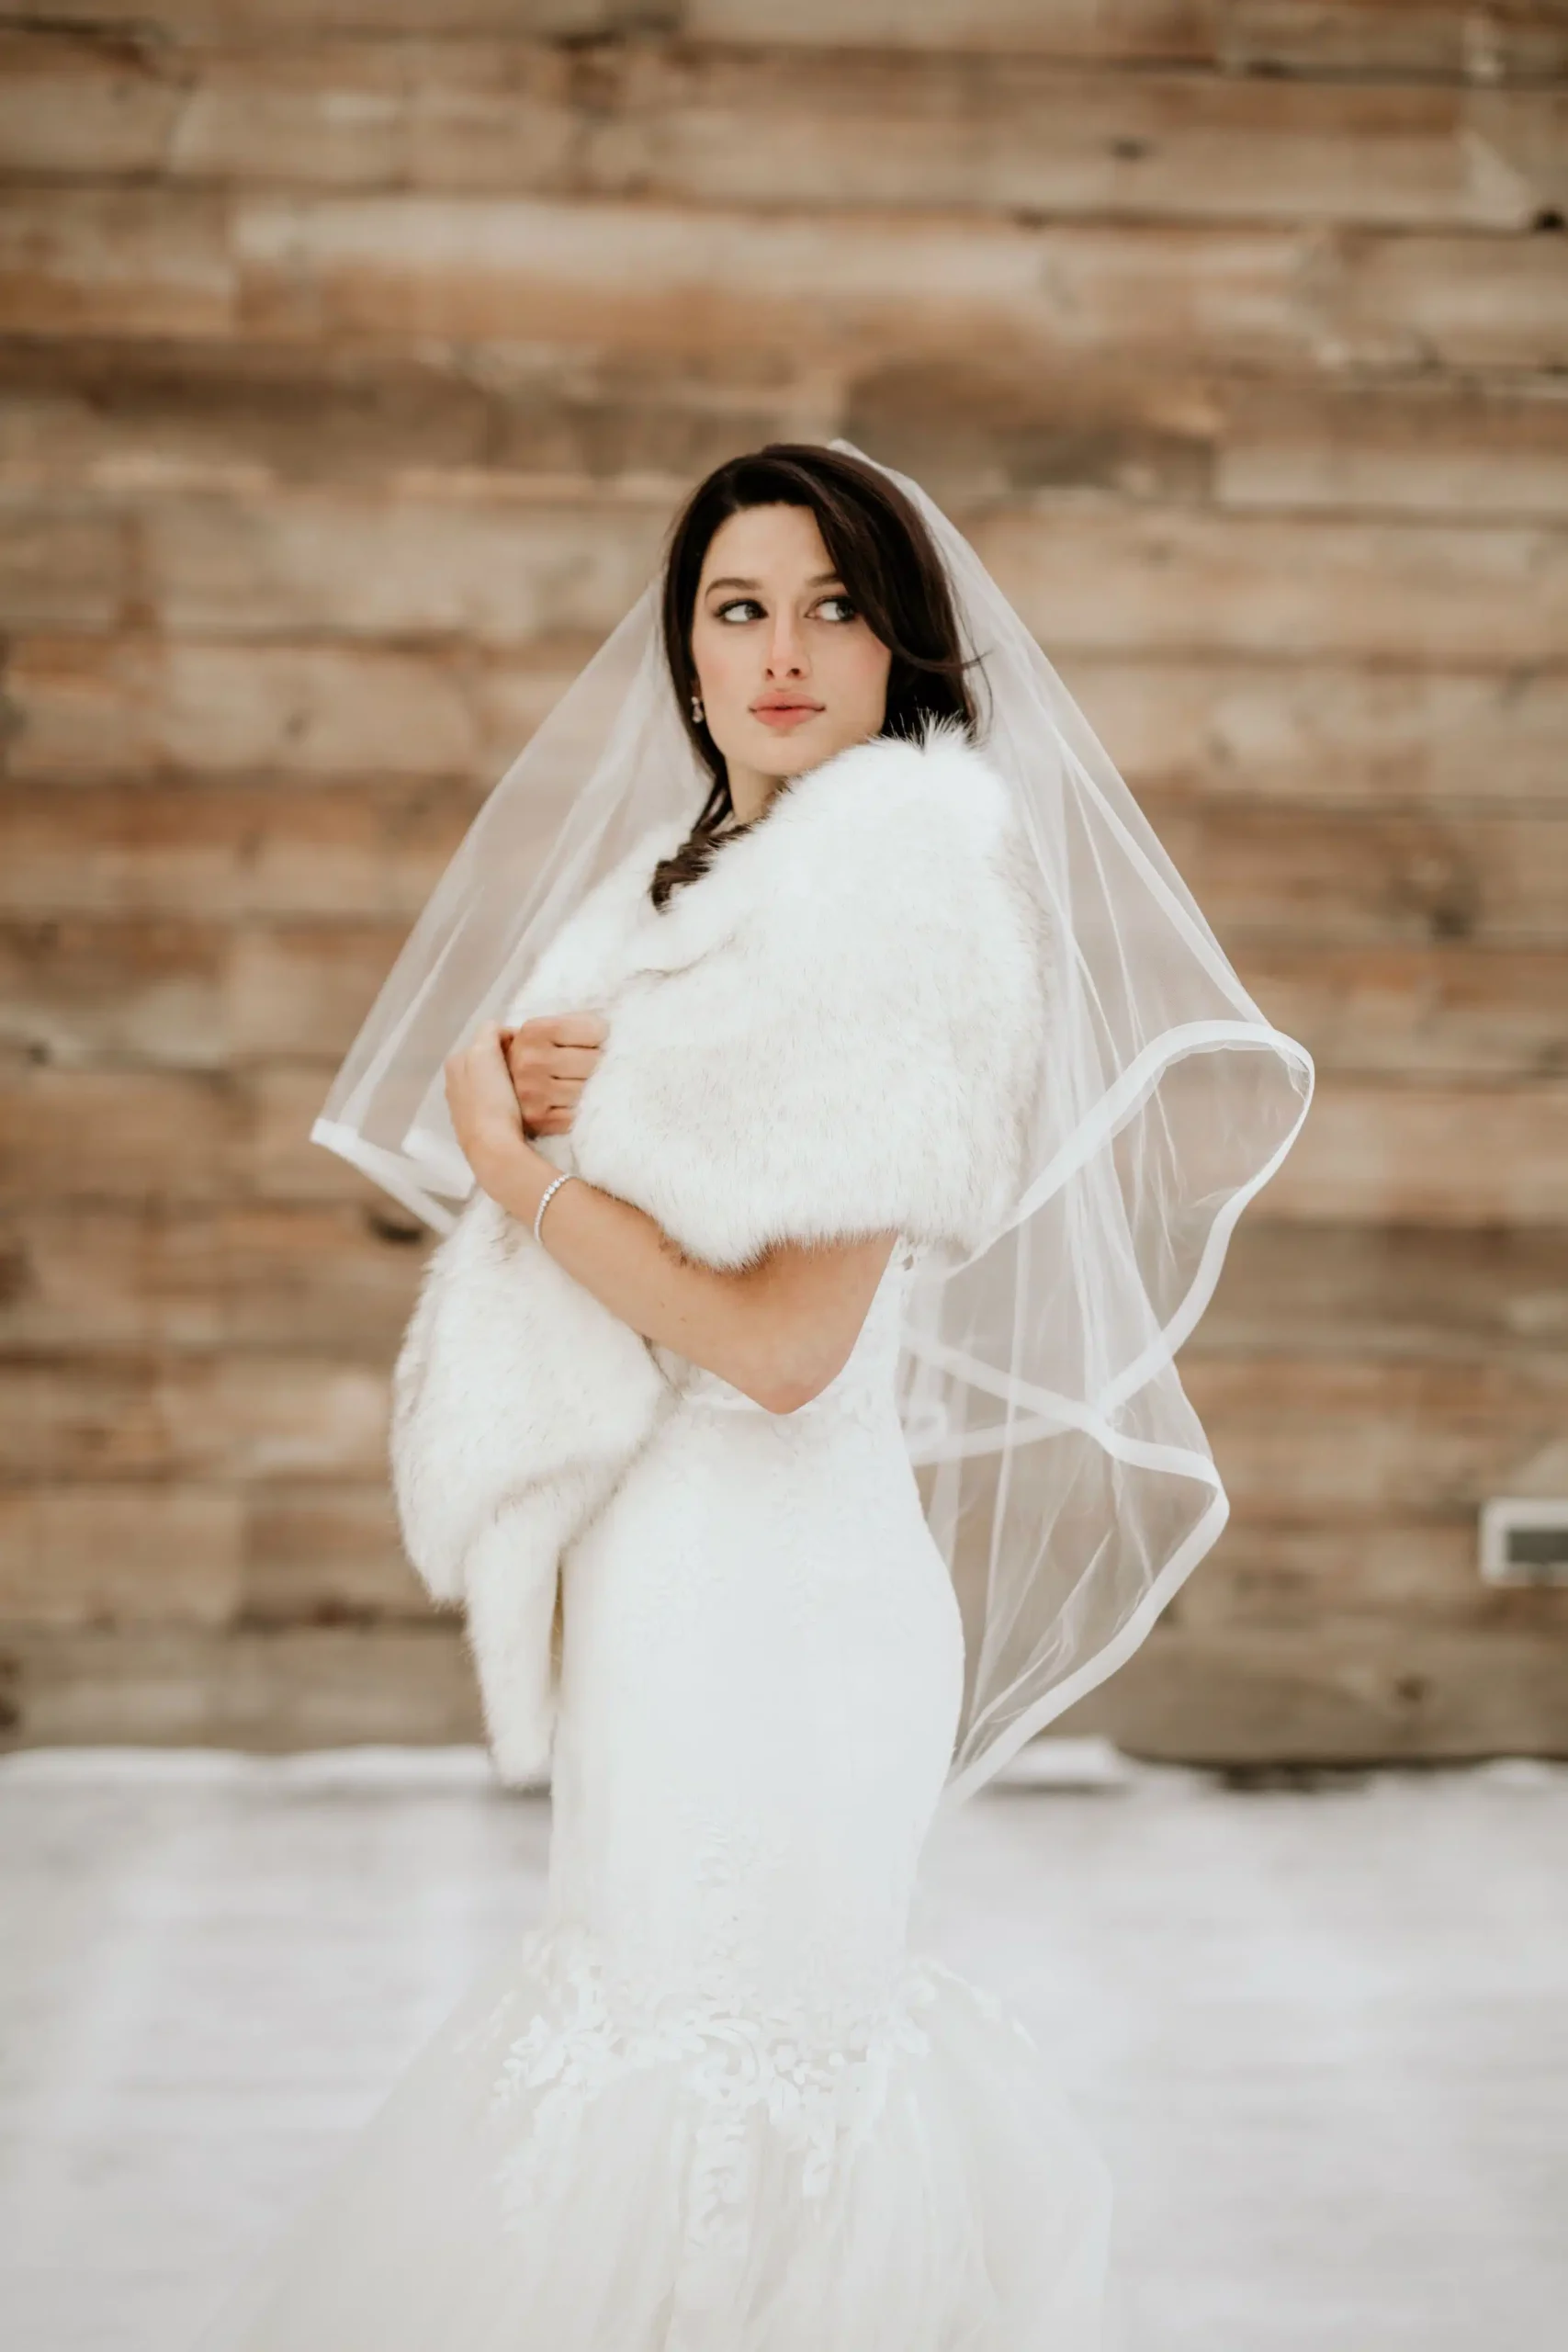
{"x": 837, "y": 1030}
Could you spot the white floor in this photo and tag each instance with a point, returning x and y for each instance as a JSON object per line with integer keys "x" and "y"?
{"x": 1323, "y": 2036}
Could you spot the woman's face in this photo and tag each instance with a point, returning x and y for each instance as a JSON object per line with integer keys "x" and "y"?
{"x": 788, "y": 671}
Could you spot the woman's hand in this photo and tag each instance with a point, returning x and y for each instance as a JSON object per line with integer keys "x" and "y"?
{"x": 551, "y": 1059}
{"x": 486, "y": 1117}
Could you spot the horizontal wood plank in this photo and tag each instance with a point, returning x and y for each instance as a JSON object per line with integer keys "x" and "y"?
{"x": 1290, "y": 1434}
{"x": 646, "y": 281}
{"x": 1299, "y": 1436}
{"x": 1266, "y": 584}
{"x": 267, "y": 1690}
{"x": 721, "y": 127}
{"x": 1427, "y": 1154}
{"x": 974, "y": 426}
{"x": 106, "y": 1555}
{"x": 1355, "y": 877}
{"x": 374, "y": 853}
{"x": 1424, "y": 1154}
{"x": 476, "y": 559}
{"x": 81, "y": 991}
{"x": 1240, "y": 1700}
{"x": 170, "y": 1137}
{"x": 1325, "y": 734}
{"x": 1264, "y": 872}
{"x": 326, "y": 1555}
{"x": 1437, "y": 38}
{"x": 76, "y": 406}
{"x": 188, "y": 995}
{"x": 1243, "y": 36}
{"x": 1449, "y": 1011}
{"x": 95, "y": 1278}
{"x": 214, "y": 1420}
{"x": 355, "y": 357}
{"x": 1387, "y": 1290}
{"x": 1351, "y": 1570}
{"x": 338, "y": 1279}
{"x": 1344, "y": 1695}
{"x": 1313, "y": 731}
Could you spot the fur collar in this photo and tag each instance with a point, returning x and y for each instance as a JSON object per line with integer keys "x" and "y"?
{"x": 837, "y": 1029}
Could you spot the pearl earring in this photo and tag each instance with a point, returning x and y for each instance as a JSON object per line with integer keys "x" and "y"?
{"x": 697, "y": 708}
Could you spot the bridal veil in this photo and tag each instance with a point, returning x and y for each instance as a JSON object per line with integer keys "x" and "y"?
{"x": 1066, "y": 1476}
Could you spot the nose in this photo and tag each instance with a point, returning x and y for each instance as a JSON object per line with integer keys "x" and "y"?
{"x": 787, "y": 647}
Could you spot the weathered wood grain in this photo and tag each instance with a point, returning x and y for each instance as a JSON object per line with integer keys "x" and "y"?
{"x": 97, "y": 1278}
{"x": 81, "y": 709}
{"x": 1429, "y": 1154}
{"x": 1344, "y": 36}
{"x": 1293, "y": 1576}
{"x": 73, "y": 992}
{"x": 1355, "y": 877}
{"x": 206, "y": 1419}
{"x": 335, "y": 1280}
{"x": 1292, "y": 1435}
{"x": 1297, "y": 1437}
{"x": 1385, "y": 1290}
{"x": 65, "y": 561}
{"x": 373, "y": 852}
{"x": 358, "y": 355}
{"x": 974, "y": 426}
{"x": 115, "y": 1555}
{"x": 143, "y": 706}
{"x": 869, "y": 128}
{"x": 478, "y": 559}
{"x": 453, "y": 560}
{"x": 78, "y": 406}
{"x": 1492, "y": 43}
{"x": 1350, "y": 1694}
{"x": 265, "y": 1688}
{"x": 1454, "y": 446}
{"x": 1446, "y": 1010}
{"x": 1444, "y": 1154}
{"x": 325, "y": 1555}
{"x": 1180, "y": 580}
{"x": 1326, "y": 734}
{"x": 844, "y": 288}
{"x": 369, "y": 856}
{"x": 132, "y": 706}
{"x": 188, "y": 995}
{"x": 185, "y": 1137}
{"x": 169, "y": 992}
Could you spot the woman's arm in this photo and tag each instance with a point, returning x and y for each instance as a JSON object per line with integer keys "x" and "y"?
{"x": 779, "y": 1331}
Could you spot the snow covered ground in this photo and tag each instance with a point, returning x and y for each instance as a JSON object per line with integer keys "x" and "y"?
{"x": 1322, "y": 2034}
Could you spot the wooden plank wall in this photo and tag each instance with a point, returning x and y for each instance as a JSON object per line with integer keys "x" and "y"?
{"x": 355, "y": 352}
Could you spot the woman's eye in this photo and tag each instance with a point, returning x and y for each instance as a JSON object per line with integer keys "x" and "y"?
{"x": 848, "y": 612}
{"x": 738, "y": 603}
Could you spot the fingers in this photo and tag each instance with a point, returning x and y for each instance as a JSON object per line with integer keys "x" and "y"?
{"x": 567, "y": 1063}
{"x": 562, "y": 1029}
{"x": 549, "y": 1060}
{"x": 577, "y": 1028}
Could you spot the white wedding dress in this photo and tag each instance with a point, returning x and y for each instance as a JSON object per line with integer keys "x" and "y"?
{"x": 712, "y": 2104}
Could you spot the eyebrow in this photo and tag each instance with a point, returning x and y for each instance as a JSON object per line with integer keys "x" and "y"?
{"x": 818, "y": 580}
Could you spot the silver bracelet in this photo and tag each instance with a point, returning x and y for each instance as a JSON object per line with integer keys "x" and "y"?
{"x": 550, "y": 1192}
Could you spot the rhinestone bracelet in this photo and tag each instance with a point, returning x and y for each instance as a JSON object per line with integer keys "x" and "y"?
{"x": 549, "y": 1194}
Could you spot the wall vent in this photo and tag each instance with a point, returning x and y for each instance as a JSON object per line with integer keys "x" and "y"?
{"x": 1524, "y": 1540}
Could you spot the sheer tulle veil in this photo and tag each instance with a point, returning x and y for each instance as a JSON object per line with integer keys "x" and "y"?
{"x": 1066, "y": 1476}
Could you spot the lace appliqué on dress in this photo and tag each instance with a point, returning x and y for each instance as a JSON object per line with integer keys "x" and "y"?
{"x": 738, "y": 2065}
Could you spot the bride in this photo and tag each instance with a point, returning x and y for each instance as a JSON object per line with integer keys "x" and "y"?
{"x": 836, "y": 1110}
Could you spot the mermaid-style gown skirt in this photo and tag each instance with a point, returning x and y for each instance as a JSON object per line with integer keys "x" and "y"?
{"x": 712, "y": 2104}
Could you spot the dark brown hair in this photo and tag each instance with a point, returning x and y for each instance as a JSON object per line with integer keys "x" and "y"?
{"x": 892, "y": 573}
